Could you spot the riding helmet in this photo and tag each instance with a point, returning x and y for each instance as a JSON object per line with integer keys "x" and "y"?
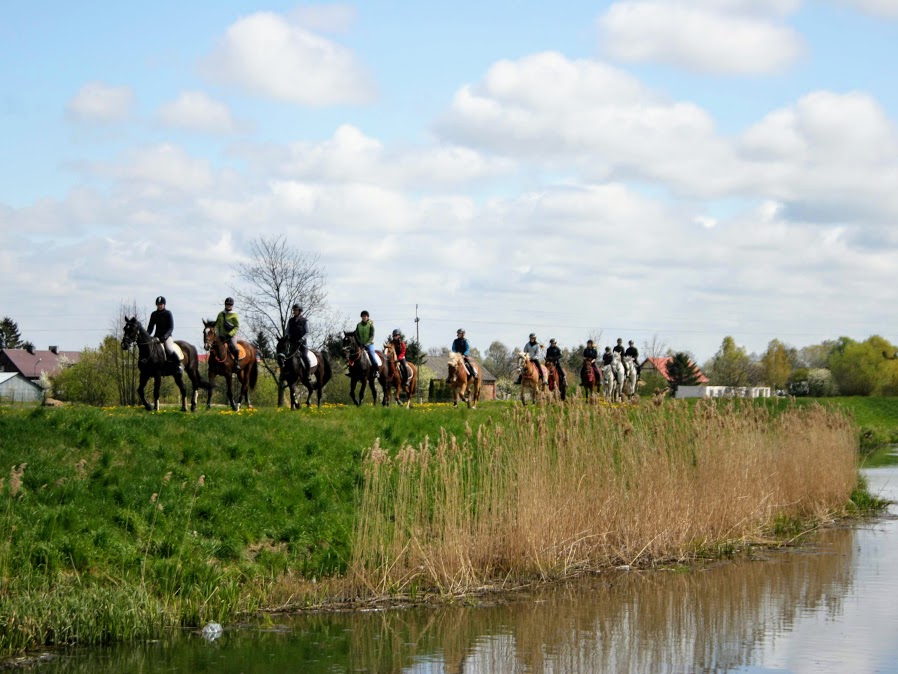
{"x": 552, "y": 341}
{"x": 229, "y": 300}
{"x": 532, "y": 335}
{"x": 160, "y": 300}
{"x": 397, "y": 332}
{"x": 460, "y": 331}
{"x": 296, "y": 306}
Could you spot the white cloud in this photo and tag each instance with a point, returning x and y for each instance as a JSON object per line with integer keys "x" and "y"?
{"x": 153, "y": 171}
{"x": 100, "y": 103}
{"x": 335, "y": 18}
{"x": 267, "y": 55}
{"x": 886, "y": 8}
{"x": 196, "y": 111}
{"x": 711, "y": 37}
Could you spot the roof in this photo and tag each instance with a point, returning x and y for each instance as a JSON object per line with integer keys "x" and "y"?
{"x": 485, "y": 375}
{"x": 32, "y": 365}
{"x": 6, "y": 376}
{"x": 660, "y": 364}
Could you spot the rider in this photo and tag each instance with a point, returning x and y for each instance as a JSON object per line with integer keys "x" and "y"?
{"x": 163, "y": 323}
{"x": 553, "y": 355}
{"x": 619, "y": 347}
{"x": 591, "y": 354}
{"x": 532, "y": 349}
{"x": 461, "y": 345}
{"x": 364, "y": 333}
{"x": 633, "y": 352}
{"x": 607, "y": 357}
{"x": 297, "y": 329}
{"x": 226, "y": 326}
{"x": 400, "y": 348}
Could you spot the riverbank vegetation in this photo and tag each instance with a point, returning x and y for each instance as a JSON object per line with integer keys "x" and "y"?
{"x": 116, "y": 523}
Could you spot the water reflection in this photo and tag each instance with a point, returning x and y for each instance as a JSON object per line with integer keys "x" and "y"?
{"x": 830, "y": 608}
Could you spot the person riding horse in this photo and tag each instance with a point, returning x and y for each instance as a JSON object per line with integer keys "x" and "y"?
{"x": 163, "y": 323}
{"x": 226, "y": 326}
{"x": 399, "y": 349}
{"x": 619, "y": 347}
{"x": 633, "y": 352}
{"x": 553, "y": 355}
{"x": 607, "y": 357}
{"x": 591, "y": 354}
{"x": 532, "y": 349}
{"x": 297, "y": 329}
{"x": 461, "y": 345}
{"x": 364, "y": 333}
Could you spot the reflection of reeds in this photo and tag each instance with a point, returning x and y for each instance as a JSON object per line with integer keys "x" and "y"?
{"x": 554, "y": 491}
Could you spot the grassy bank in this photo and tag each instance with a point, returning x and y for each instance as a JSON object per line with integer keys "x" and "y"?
{"x": 116, "y": 523}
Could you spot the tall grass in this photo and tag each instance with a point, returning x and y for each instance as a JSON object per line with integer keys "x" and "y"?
{"x": 551, "y": 491}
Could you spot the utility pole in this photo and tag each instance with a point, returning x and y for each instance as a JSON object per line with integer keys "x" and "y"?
{"x": 418, "y": 364}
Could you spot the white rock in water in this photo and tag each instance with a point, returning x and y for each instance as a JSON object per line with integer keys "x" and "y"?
{"x": 211, "y": 631}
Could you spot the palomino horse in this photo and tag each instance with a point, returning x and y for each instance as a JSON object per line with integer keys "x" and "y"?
{"x": 361, "y": 369}
{"x": 530, "y": 378}
{"x": 293, "y": 370}
{"x": 463, "y": 385}
{"x": 151, "y": 362}
{"x": 630, "y": 377}
{"x": 557, "y": 385}
{"x": 393, "y": 378}
{"x": 222, "y": 363}
{"x": 590, "y": 378}
{"x": 613, "y": 376}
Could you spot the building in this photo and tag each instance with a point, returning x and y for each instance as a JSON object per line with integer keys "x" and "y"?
{"x": 659, "y": 365}
{"x": 723, "y": 392}
{"x": 14, "y": 388}
{"x": 31, "y": 364}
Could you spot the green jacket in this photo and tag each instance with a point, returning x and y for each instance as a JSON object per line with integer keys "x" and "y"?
{"x": 364, "y": 332}
{"x": 232, "y": 318}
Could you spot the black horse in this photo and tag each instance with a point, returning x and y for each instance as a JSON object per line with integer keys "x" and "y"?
{"x": 361, "y": 369}
{"x": 293, "y": 370}
{"x": 153, "y": 363}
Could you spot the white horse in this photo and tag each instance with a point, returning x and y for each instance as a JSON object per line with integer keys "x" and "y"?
{"x": 630, "y": 377}
{"x": 613, "y": 379}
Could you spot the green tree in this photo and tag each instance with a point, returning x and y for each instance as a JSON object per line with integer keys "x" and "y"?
{"x": 9, "y": 334}
{"x": 864, "y": 368}
{"x": 776, "y": 364}
{"x": 681, "y": 371}
{"x": 499, "y": 360}
{"x": 730, "y": 366}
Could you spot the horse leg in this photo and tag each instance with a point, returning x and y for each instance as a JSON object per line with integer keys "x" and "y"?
{"x": 140, "y": 391}
{"x": 231, "y": 401}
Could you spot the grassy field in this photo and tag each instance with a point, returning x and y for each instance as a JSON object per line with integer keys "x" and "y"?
{"x": 116, "y": 523}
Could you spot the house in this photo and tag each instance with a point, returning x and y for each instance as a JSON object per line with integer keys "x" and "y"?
{"x": 14, "y": 388}
{"x": 659, "y": 365}
{"x": 723, "y": 392}
{"x": 31, "y": 364}
{"x": 487, "y": 383}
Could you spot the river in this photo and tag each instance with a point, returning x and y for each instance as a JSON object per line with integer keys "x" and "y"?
{"x": 828, "y": 607}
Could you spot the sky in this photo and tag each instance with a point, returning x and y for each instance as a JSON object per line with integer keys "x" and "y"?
{"x": 657, "y": 170}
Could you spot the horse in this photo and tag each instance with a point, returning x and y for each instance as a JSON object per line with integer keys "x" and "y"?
{"x": 590, "y": 380}
{"x": 613, "y": 375}
{"x": 392, "y": 379}
{"x": 152, "y": 362}
{"x": 461, "y": 382}
{"x": 530, "y": 378}
{"x": 557, "y": 385}
{"x": 631, "y": 377}
{"x": 221, "y": 362}
{"x": 294, "y": 370}
{"x": 361, "y": 369}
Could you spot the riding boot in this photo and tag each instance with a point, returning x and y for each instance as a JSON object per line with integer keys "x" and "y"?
{"x": 236, "y": 357}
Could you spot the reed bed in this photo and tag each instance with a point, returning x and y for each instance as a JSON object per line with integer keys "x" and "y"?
{"x": 552, "y": 491}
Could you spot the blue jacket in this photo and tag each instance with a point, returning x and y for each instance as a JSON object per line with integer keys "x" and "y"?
{"x": 461, "y": 345}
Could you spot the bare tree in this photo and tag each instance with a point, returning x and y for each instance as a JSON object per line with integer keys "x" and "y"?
{"x": 655, "y": 348}
{"x": 277, "y": 276}
{"x": 123, "y": 364}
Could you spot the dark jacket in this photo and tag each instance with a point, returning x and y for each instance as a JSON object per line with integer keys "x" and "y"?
{"x": 618, "y": 348}
{"x": 633, "y": 352}
{"x": 607, "y": 357}
{"x": 461, "y": 345}
{"x": 297, "y": 328}
{"x": 163, "y": 323}
{"x": 553, "y": 353}
{"x": 590, "y": 352}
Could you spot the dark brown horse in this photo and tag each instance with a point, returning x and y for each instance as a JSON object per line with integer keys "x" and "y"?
{"x": 361, "y": 369}
{"x": 590, "y": 378}
{"x": 557, "y": 384}
{"x": 222, "y": 363}
{"x": 463, "y": 385}
{"x": 530, "y": 378}
{"x": 393, "y": 378}
{"x": 151, "y": 362}
{"x": 293, "y": 370}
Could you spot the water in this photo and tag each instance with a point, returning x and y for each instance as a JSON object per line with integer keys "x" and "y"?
{"x": 832, "y": 607}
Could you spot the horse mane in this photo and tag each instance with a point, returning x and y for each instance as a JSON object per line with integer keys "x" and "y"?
{"x": 523, "y": 355}
{"x": 455, "y": 358}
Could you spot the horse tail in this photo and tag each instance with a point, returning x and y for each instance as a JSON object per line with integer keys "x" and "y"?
{"x": 253, "y": 374}
{"x": 326, "y": 370}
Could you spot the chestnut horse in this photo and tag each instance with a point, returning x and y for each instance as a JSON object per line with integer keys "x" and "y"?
{"x": 557, "y": 385}
{"x": 463, "y": 385}
{"x": 361, "y": 369}
{"x": 393, "y": 378}
{"x": 222, "y": 363}
{"x": 530, "y": 378}
{"x": 590, "y": 379}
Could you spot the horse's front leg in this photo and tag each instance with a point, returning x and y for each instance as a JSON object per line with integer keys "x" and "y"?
{"x": 212, "y": 376}
{"x": 179, "y": 380}
{"x": 141, "y": 386}
{"x": 157, "y": 384}
{"x": 234, "y": 404}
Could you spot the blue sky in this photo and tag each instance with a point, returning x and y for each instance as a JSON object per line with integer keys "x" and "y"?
{"x": 650, "y": 169}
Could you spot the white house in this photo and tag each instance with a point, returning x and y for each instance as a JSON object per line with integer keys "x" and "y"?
{"x": 723, "y": 392}
{"x": 15, "y": 388}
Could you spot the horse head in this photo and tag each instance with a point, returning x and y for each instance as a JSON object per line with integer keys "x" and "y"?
{"x": 130, "y": 333}
{"x": 455, "y": 365}
{"x": 209, "y": 335}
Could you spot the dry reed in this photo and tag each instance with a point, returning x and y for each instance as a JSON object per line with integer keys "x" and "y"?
{"x": 552, "y": 491}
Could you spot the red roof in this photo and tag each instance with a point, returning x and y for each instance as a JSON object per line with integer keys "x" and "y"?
{"x": 32, "y": 365}
{"x": 660, "y": 364}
